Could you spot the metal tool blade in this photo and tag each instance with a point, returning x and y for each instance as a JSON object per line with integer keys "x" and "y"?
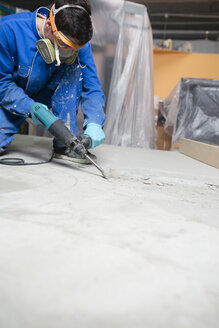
{"x": 97, "y": 166}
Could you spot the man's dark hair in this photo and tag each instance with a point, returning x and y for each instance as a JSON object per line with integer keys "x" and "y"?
{"x": 75, "y": 22}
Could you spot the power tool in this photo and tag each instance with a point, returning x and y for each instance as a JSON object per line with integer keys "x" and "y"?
{"x": 41, "y": 115}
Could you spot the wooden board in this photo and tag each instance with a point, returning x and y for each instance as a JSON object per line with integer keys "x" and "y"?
{"x": 206, "y": 153}
{"x": 163, "y": 139}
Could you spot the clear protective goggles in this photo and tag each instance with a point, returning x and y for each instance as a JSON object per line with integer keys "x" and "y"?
{"x": 62, "y": 40}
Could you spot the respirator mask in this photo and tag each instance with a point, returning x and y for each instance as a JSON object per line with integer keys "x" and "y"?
{"x": 58, "y": 52}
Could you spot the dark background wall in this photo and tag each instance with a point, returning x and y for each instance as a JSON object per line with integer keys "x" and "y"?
{"x": 176, "y": 19}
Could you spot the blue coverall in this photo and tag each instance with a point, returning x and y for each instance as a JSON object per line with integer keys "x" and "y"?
{"x": 25, "y": 78}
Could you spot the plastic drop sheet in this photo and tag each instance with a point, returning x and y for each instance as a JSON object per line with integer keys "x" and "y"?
{"x": 127, "y": 37}
{"x": 192, "y": 111}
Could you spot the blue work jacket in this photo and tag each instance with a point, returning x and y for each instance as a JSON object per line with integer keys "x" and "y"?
{"x": 23, "y": 71}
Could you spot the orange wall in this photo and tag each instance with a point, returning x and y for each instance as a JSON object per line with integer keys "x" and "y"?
{"x": 171, "y": 66}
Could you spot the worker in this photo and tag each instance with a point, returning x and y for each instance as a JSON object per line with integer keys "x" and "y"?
{"x": 46, "y": 59}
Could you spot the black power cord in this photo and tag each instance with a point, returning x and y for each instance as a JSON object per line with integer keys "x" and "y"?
{"x": 20, "y": 161}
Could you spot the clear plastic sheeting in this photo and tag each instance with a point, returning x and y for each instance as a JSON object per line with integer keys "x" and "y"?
{"x": 169, "y": 109}
{"x": 192, "y": 111}
{"x": 130, "y": 109}
{"x": 105, "y": 38}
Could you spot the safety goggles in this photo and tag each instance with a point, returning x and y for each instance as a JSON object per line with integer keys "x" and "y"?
{"x": 60, "y": 38}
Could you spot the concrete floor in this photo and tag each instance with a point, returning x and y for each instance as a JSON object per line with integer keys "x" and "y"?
{"x": 140, "y": 250}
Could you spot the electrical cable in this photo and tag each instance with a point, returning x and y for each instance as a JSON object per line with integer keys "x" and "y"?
{"x": 20, "y": 161}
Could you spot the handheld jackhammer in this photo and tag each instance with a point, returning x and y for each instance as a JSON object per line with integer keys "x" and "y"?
{"x": 57, "y": 128}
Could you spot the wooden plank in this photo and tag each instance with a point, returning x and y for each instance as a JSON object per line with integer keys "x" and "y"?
{"x": 206, "y": 153}
{"x": 163, "y": 139}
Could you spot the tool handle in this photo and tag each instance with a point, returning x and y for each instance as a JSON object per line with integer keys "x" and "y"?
{"x": 64, "y": 135}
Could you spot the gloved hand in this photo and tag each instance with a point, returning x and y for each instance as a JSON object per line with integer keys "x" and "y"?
{"x": 95, "y": 132}
{"x": 34, "y": 108}
{"x": 85, "y": 140}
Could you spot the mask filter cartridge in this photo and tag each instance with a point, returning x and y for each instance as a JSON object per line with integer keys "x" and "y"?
{"x": 46, "y": 50}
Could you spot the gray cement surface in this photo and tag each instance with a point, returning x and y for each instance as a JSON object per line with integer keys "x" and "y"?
{"x": 78, "y": 251}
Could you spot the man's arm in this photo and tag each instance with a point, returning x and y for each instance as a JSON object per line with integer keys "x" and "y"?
{"x": 12, "y": 97}
{"x": 93, "y": 100}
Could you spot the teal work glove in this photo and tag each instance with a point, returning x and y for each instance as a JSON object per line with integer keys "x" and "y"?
{"x": 95, "y": 132}
{"x": 34, "y": 108}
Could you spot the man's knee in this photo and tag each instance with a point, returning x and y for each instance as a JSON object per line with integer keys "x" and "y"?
{"x": 9, "y": 125}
